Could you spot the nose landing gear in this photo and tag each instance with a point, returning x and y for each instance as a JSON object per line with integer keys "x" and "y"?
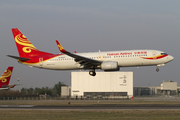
{"x": 157, "y": 69}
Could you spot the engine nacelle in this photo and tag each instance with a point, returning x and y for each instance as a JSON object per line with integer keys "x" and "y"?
{"x": 110, "y": 66}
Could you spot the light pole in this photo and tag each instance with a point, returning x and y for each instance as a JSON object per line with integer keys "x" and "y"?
{"x": 18, "y": 83}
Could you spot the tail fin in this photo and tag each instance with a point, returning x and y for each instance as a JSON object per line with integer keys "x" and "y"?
{"x": 25, "y": 48}
{"x": 5, "y": 78}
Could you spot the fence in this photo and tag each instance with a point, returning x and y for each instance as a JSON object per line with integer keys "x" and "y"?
{"x": 66, "y": 98}
{"x": 147, "y": 97}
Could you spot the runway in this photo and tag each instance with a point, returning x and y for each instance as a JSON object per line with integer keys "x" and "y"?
{"x": 92, "y": 107}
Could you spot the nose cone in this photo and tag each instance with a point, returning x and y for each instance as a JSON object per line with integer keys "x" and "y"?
{"x": 170, "y": 58}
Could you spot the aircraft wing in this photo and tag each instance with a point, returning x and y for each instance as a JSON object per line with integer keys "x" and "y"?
{"x": 84, "y": 61}
{"x": 12, "y": 86}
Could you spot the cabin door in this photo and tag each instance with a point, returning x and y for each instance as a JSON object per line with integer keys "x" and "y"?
{"x": 41, "y": 61}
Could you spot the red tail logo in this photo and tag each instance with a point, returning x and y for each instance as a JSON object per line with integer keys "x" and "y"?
{"x": 5, "y": 78}
{"x": 25, "y": 48}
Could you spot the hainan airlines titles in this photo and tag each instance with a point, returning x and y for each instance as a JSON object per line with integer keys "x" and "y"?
{"x": 125, "y": 53}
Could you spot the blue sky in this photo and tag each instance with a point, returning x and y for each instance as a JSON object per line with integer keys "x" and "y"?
{"x": 87, "y": 26}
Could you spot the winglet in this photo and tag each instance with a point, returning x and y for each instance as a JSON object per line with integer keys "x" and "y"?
{"x": 60, "y": 47}
{"x": 12, "y": 86}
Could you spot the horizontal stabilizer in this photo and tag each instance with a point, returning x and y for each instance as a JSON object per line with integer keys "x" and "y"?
{"x": 4, "y": 88}
{"x": 19, "y": 58}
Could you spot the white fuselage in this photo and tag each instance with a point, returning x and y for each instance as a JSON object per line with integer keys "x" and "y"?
{"x": 127, "y": 58}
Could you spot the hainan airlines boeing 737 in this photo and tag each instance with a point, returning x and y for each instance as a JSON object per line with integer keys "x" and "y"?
{"x": 5, "y": 79}
{"x": 107, "y": 61}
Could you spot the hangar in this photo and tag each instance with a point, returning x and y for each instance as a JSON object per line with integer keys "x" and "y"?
{"x": 104, "y": 84}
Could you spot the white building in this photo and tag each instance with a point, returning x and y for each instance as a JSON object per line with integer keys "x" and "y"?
{"x": 167, "y": 87}
{"x": 65, "y": 91}
{"x": 111, "y": 84}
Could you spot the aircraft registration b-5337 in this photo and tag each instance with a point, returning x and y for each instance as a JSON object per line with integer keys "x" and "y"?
{"x": 107, "y": 61}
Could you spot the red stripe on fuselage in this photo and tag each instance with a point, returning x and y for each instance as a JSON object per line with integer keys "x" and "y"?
{"x": 152, "y": 58}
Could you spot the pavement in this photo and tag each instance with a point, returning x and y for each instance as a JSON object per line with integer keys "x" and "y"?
{"x": 92, "y": 107}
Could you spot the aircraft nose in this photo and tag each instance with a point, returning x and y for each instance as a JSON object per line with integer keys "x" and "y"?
{"x": 171, "y": 58}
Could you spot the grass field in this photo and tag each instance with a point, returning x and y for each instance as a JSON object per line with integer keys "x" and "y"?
{"x": 90, "y": 115}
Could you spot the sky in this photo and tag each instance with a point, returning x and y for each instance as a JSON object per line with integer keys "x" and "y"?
{"x": 89, "y": 26}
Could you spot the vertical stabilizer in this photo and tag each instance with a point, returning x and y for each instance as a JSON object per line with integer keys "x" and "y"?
{"x": 5, "y": 78}
{"x": 25, "y": 48}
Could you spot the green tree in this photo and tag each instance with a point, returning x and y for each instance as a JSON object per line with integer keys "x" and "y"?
{"x": 57, "y": 87}
{"x": 43, "y": 90}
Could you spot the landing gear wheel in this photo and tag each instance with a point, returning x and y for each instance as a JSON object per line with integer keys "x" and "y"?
{"x": 92, "y": 73}
{"x": 157, "y": 69}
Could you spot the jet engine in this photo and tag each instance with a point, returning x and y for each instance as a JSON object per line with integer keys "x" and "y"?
{"x": 110, "y": 66}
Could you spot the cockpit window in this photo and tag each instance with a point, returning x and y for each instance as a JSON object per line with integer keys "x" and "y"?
{"x": 163, "y": 53}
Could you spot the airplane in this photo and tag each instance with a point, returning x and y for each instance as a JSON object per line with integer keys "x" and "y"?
{"x": 5, "y": 79}
{"x": 107, "y": 61}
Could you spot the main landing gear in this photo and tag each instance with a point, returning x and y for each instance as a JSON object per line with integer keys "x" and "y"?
{"x": 92, "y": 72}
